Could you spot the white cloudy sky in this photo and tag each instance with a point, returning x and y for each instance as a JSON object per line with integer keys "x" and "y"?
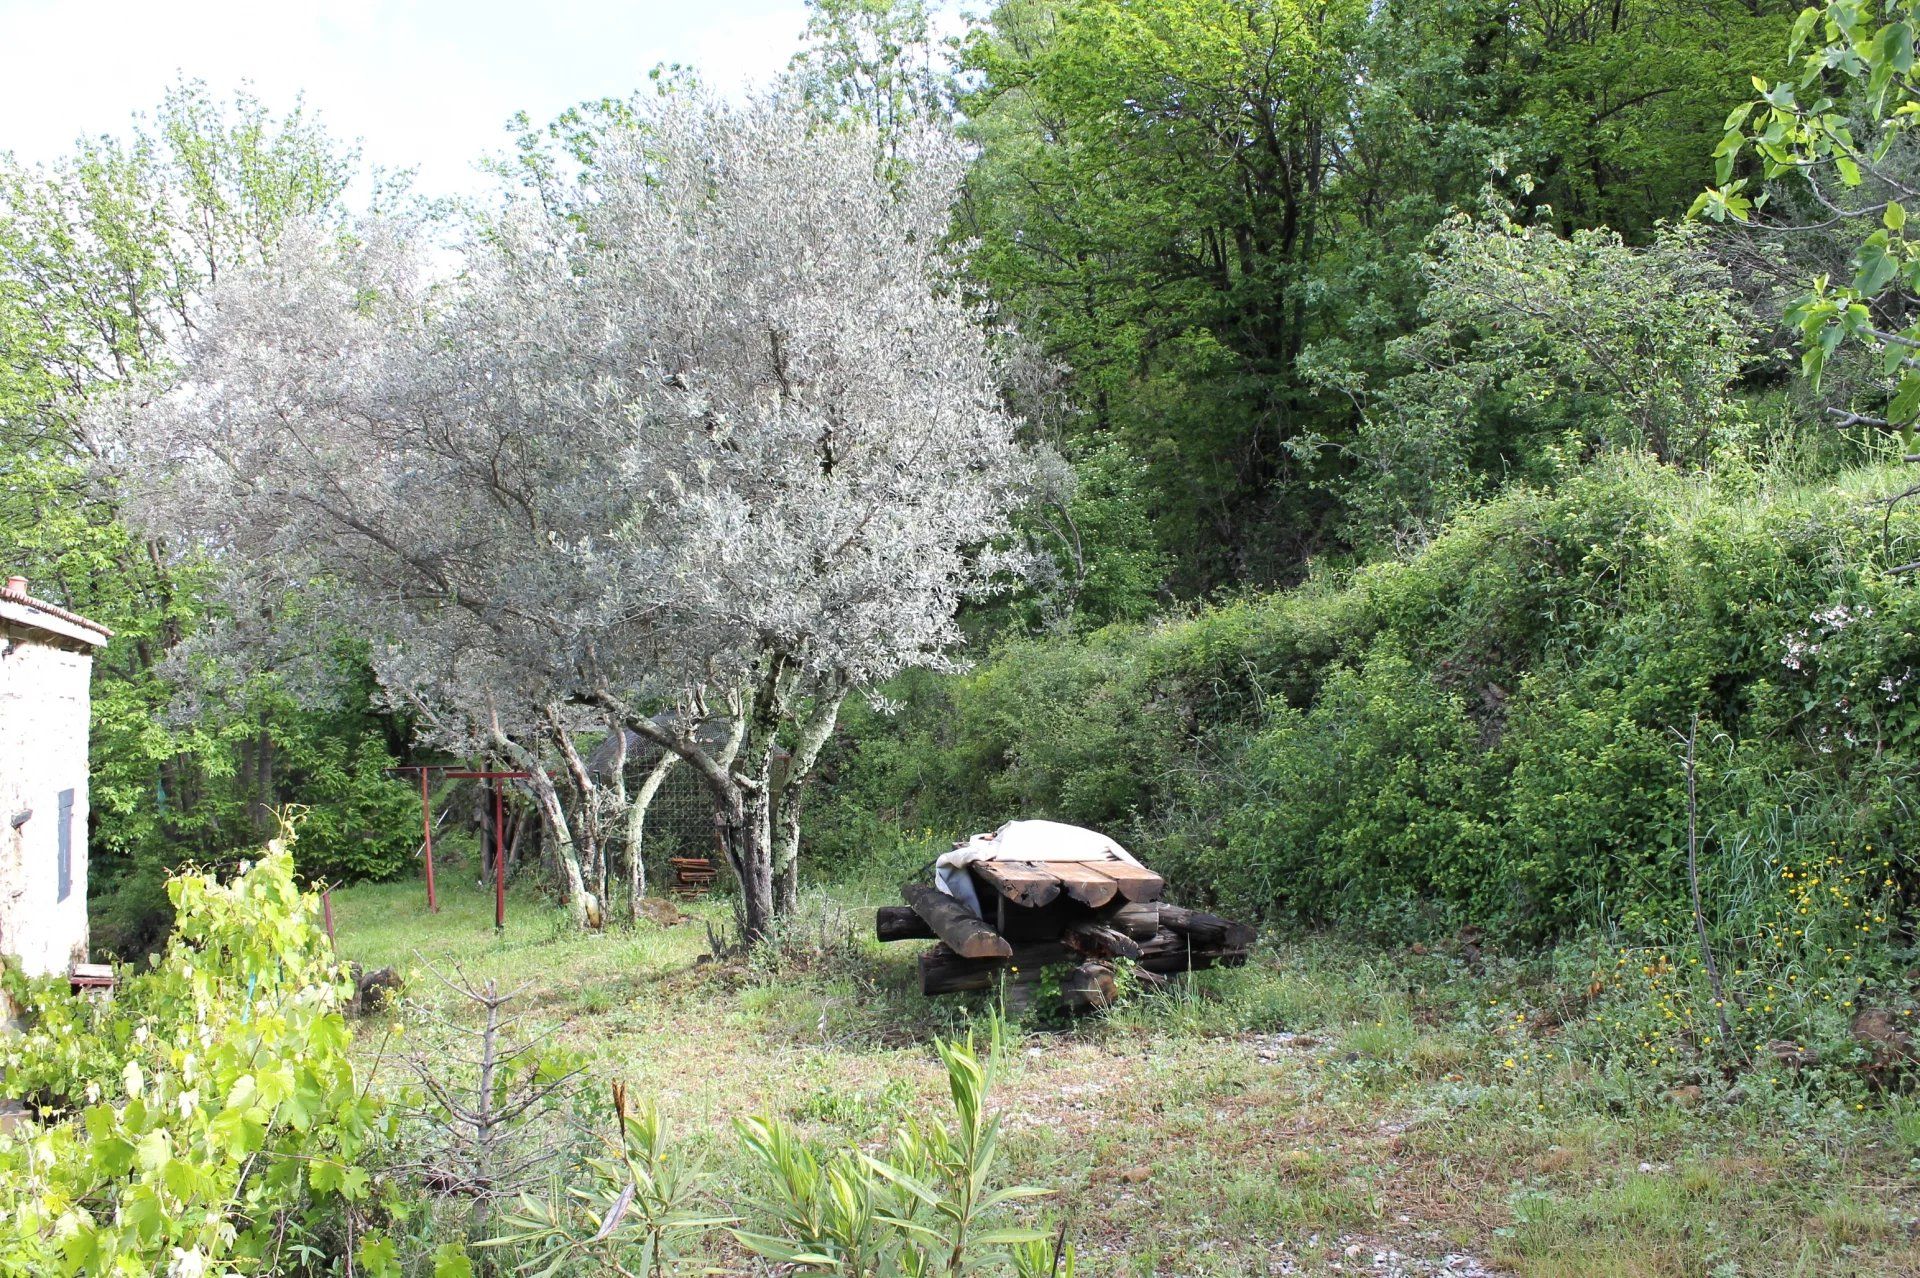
{"x": 427, "y": 84}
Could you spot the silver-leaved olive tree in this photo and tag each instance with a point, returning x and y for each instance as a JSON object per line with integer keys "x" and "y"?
{"x": 720, "y": 433}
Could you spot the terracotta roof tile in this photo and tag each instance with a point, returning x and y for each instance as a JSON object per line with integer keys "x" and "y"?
{"x": 15, "y": 591}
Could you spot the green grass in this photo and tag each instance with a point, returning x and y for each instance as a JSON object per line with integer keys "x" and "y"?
{"x": 1328, "y": 1097}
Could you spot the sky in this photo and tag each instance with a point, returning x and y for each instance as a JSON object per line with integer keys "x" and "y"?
{"x": 428, "y": 85}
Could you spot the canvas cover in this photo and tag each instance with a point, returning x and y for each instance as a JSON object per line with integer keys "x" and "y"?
{"x": 1021, "y": 841}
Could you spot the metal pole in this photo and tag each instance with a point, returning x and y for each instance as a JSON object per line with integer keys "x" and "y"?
{"x": 499, "y": 863}
{"x": 426, "y": 828}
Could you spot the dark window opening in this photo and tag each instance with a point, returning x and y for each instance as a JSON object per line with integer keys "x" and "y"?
{"x": 65, "y": 867}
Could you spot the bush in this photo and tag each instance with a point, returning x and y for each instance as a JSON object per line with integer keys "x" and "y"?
{"x": 210, "y": 1116}
{"x": 1481, "y": 733}
{"x": 1373, "y": 802}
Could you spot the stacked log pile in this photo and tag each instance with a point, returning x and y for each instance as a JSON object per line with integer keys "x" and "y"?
{"x": 1084, "y": 916}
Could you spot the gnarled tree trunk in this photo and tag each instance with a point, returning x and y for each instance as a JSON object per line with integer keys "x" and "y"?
{"x": 637, "y": 831}
{"x": 579, "y": 900}
{"x": 790, "y": 798}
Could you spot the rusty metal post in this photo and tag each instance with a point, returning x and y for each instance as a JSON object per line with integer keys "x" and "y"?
{"x": 426, "y": 829}
{"x": 499, "y": 863}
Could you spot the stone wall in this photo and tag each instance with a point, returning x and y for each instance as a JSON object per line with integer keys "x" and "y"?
{"x": 44, "y": 714}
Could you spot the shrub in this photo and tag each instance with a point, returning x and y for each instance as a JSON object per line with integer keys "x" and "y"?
{"x": 210, "y": 1116}
{"x": 1481, "y": 732}
{"x": 1373, "y": 801}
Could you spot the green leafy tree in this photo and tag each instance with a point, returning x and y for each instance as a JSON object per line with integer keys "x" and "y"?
{"x": 1153, "y": 183}
{"x": 1834, "y": 136}
{"x": 1189, "y": 196}
{"x": 105, "y": 256}
{"x": 876, "y": 62}
{"x": 1539, "y": 351}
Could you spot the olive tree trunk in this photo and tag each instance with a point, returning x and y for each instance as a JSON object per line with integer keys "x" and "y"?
{"x": 637, "y": 832}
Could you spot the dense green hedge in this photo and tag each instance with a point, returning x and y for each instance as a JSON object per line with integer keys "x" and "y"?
{"x": 1485, "y": 732}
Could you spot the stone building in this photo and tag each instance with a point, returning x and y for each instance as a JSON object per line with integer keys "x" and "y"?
{"x": 46, "y": 662}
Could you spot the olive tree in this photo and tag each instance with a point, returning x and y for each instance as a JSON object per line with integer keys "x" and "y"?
{"x": 723, "y": 435}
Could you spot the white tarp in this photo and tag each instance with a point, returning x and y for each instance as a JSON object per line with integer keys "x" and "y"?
{"x": 1021, "y": 841}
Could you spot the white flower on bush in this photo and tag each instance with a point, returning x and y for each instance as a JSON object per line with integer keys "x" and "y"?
{"x": 1839, "y": 617}
{"x": 1801, "y": 647}
{"x": 1799, "y": 650}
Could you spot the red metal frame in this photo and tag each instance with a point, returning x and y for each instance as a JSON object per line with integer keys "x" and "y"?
{"x": 453, "y": 772}
{"x": 426, "y": 831}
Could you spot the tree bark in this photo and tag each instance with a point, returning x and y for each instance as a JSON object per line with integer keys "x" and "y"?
{"x": 637, "y": 832}
{"x": 547, "y": 798}
{"x": 587, "y": 871}
{"x": 739, "y": 778}
{"x": 578, "y": 899}
{"x": 792, "y": 795}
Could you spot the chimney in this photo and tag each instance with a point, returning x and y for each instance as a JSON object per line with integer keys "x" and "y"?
{"x": 17, "y": 585}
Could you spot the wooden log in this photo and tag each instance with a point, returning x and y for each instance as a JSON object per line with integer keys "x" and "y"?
{"x": 1135, "y": 882}
{"x": 1028, "y": 883}
{"x": 965, "y": 932}
{"x": 1089, "y": 987}
{"x": 1209, "y": 930}
{"x": 1139, "y": 921}
{"x": 1097, "y": 940}
{"x": 900, "y": 923}
{"x": 1024, "y": 926}
{"x": 942, "y": 971}
{"x": 1178, "y": 957}
{"x": 1085, "y": 883}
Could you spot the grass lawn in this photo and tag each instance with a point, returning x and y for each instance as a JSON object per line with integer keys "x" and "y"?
{"x": 1326, "y": 1109}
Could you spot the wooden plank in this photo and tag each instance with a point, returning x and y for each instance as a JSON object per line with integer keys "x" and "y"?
{"x": 1028, "y": 883}
{"x": 1084, "y": 882}
{"x": 900, "y": 923}
{"x": 1136, "y": 882}
{"x": 965, "y": 932}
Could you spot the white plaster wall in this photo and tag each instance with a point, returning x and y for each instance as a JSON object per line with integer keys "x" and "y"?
{"x": 44, "y": 714}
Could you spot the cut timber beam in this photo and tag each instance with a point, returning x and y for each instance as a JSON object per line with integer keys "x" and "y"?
{"x": 1089, "y": 987}
{"x": 965, "y": 932}
{"x": 1138, "y": 921}
{"x": 1097, "y": 940}
{"x": 900, "y": 923}
{"x": 944, "y": 972}
{"x": 1135, "y": 882}
{"x": 1208, "y": 930}
{"x": 1029, "y": 883}
{"x": 1085, "y": 883}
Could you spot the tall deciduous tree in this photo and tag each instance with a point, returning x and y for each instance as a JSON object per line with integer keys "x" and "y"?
{"x": 1188, "y": 194}
{"x": 1835, "y": 145}
{"x": 723, "y": 434}
{"x": 881, "y": 63}
{"x": 106, "y": 256}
